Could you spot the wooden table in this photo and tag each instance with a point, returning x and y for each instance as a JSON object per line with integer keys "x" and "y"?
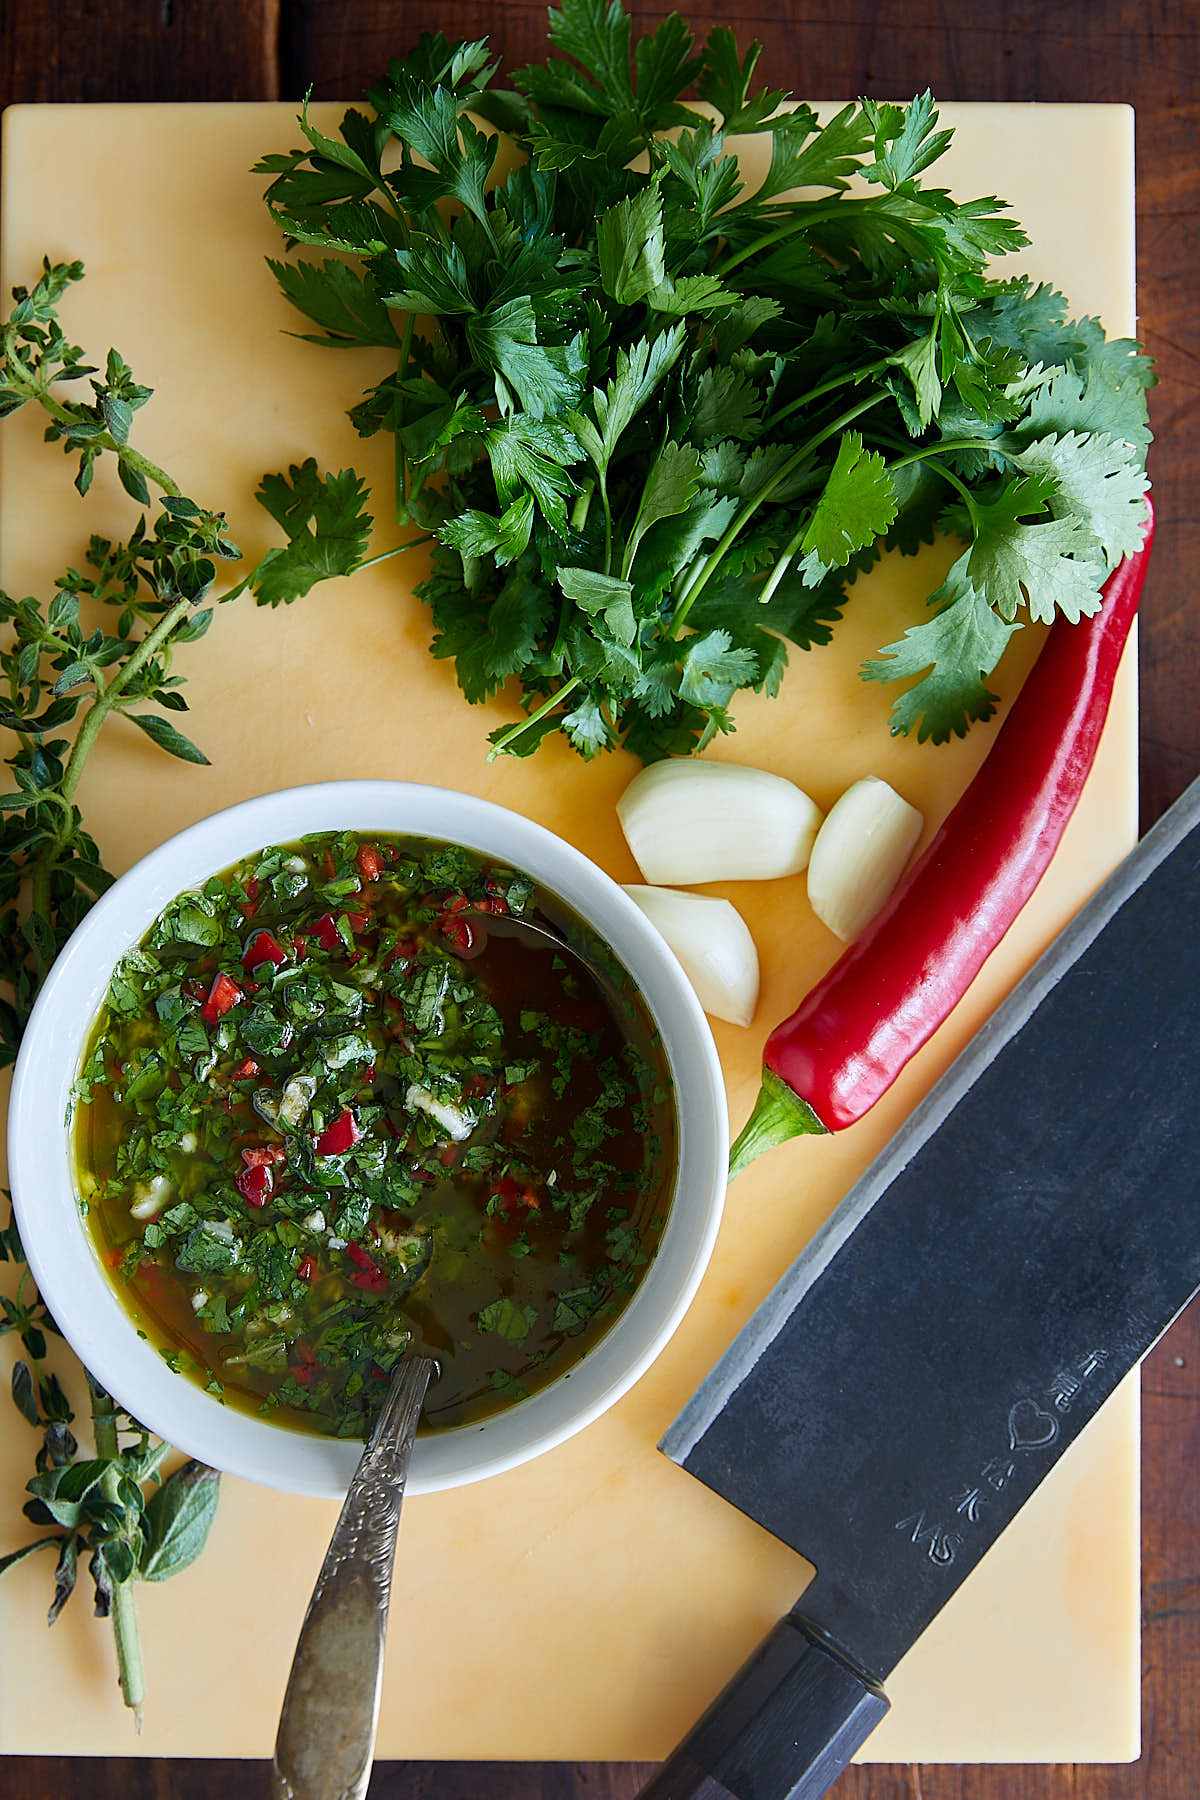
{"x": 1057, "y": 50}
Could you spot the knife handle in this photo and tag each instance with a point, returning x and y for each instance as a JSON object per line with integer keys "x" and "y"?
{"x": 783, "y": 1728}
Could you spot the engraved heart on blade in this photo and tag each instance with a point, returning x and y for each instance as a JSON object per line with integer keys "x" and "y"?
{"x": 1030, "y": 1427}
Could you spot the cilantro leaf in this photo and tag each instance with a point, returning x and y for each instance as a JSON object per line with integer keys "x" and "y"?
{"x": 1097, "y": 484}
{"x": 1047, "y": 565}
{"x": 856, "y": 505}
{"x": 327, "y": 528}
{"x": 952, "y": 652}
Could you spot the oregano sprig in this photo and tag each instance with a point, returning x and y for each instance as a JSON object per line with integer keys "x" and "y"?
{"x": 103, "y": 647}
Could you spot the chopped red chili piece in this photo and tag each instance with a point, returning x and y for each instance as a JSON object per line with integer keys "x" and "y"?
{"x": 358, "y": 921}
{"x": 459, "y": 935}
{"x": 511, "y": 1195}
{"x": 245, "y": 1069}
{"x": 249, "y": 905}
{"x": 254, "y": 1184}
{"x": 307, "y": 1268}
{"x": 299, "y": 946}
{"x": 371, "y": 1277}
{"x": 368, "y": 862}
{"x": 263, "y": 1156}
{"x": 263, "y": 948}
{"x": 326, "y": 933}
{"x": 223, "y": 994}
{"x": 339, "y": 1136}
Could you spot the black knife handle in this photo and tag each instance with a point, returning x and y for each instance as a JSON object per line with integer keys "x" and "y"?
{"x": 784, "y": 1728}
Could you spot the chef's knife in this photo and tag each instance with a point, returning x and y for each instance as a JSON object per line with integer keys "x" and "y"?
{"x": 1019, "y": 1245}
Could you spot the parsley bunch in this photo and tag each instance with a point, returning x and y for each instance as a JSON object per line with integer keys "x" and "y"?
{"x": 103, "y": 647}
{"x": 658, "y": 422}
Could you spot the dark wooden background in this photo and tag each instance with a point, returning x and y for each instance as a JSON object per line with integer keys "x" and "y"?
{"x": 1147, "y": 54}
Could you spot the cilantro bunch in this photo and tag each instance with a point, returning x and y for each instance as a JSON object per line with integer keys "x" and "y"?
{"x": 658, "y": 420}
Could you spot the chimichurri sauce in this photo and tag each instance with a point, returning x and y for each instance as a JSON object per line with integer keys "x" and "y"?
{"x": 331, "y": 1114}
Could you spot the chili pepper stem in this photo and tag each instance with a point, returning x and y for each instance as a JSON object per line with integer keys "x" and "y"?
{"x": 778, "y": 1115}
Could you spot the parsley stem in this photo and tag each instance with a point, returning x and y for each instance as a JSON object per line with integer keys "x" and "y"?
{"x": 534, "y": 718}
{"x": 369, "y": 562}
{"x": 801, "y": 216}
{"x": 712, "y": 561}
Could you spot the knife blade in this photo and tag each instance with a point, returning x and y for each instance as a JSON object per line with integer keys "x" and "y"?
{"x": 1018, "y": 1247}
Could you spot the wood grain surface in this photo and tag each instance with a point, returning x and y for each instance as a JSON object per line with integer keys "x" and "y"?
{"x": 1057, "y": 50}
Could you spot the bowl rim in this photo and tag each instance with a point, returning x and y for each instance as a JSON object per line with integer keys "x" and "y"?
{"x": 59, "y": 1249}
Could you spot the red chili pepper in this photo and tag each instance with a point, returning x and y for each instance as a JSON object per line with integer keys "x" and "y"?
{"x": 223, "y": 994}
{"x": 263, "y": 948}
{"x": 339, "y": 1135}
{"x": 245, "y": 1069}
{"x": 249, "y": 905}
{"x": 358, "y": 921}
{"x": 368, "y": 862}
{"x": 850, "y": 1037}
{"x": 254, "y": 1184}
{"x": 307, "y": 1268}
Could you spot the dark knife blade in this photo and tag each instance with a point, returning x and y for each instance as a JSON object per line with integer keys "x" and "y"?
{"x": 911, "y": 1380}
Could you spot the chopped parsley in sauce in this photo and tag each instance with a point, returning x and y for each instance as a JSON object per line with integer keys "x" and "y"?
{"x": 333, "y": 1113}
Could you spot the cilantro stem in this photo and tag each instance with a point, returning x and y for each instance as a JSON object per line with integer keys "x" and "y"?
{"x": 534, "y": 718}
{"x": 712, "y": 561}
{"x": 931, "y": 458}
{"x": 826, "y": 387}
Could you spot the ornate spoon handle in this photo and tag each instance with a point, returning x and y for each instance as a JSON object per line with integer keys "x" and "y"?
{"x": 326, "y": 1741}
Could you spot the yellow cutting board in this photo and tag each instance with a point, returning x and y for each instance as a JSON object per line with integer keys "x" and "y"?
{"x": 588, "y": 1605}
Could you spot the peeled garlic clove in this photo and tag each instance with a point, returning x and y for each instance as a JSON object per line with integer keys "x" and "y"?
{"x": 713, "y": 945}
{"x": 687, "y": 820}
{"x": 859, "y": 854}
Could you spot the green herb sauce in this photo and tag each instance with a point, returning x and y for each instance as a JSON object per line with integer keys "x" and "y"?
{"x": 334, "y": 1111}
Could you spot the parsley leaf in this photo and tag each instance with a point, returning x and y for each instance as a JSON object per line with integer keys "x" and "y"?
{"x": 657, "y": 419}
{"x": 327, "y": 528}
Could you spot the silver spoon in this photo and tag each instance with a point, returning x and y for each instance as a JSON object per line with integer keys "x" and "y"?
{"x": 326, "y": 1741}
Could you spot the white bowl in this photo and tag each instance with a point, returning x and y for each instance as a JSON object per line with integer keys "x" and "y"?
{"x": 59, "y": 1248}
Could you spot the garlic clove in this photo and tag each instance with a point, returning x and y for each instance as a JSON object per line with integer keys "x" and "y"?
{"x": 860, "y": 853}
{"x": 688, "y": 820}
{"x": 713, "y": 944}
